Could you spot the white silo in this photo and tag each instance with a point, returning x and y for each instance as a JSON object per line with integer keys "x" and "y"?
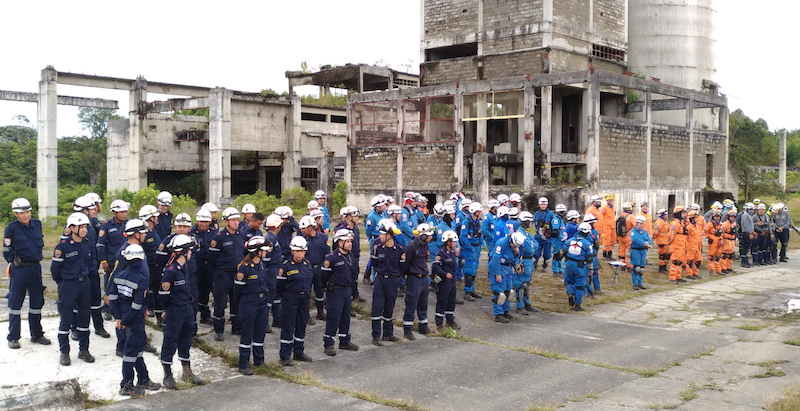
{"x": 675, "y": 41}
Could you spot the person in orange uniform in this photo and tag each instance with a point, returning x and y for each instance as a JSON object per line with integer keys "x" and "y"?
{"x": 701, "y": 225}
{"x": 644, "y": 211}
{"x": 694, "y": 246}
{"x": 663, "y": 232}
{"x": 677, "y": 244}
{"x": 607, "y": 232}
{"x": 729, "y": 229}
{"x": 625, "y": 240}
{"x": 714, "y": 235}
{"x": 596, "y": 210}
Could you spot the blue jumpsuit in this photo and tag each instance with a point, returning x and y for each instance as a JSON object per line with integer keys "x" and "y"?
{"x": 487, "y": 228}
{"x": 433, "y": 246}
{"x": 251, "y": 294}
{"x": 500, "y": 231}
{"x": 294, "y": 288}
{"x": 225, "y": 252}
{"x": 542, "y": 221}
{"x": 639, "y": 239}
{"x": 557, "y": 228}
{"x": 417, "y": 286}
{"x": 470, "y": 238}
{"x": 326, "y": 219}
{"x": 127, "y": 293}
{"x": 502, "y": 264}
{"x": 389, "y": 264}
{"x": 70, "y": 270}
{"x": 408, "y": 222}
{"x": 317, "y": 250}
{"x": 579, "y": 259}
{"x": 164, "y": 224}
{"x": 204, "y": 273}
{"x": 569, "y": 230}
{"x": 273, "y": 261}
{"x": 22, "y": 250}
{"x": 445, "y": 262}
{"x": 176, "y": 296}
{"x": 371, "y": 231}
{"x": 594, "y": 280}
{"x": 337, "y": 278}
{"x": 522, "y": 281}
{"x": 109, "y": 241}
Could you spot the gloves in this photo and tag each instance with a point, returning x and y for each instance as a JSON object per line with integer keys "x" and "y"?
{"x": 710, "y": 241}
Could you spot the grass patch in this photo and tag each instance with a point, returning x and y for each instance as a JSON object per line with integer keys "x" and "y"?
{"x": 771, "y": 372}
{"x": 691, "y": 392}
{"x": 795, "y": 341}
{"x": 716, "y": 319}
{"x": 707, "y": 351}
{"x": 790, "y": 401}
{"x": 750, "y": 327}
{"x": 585, "y": 397}
{"x": 769, "y": 363}
{"x": 87, "y": 403}
{"x": 674, "y": 321}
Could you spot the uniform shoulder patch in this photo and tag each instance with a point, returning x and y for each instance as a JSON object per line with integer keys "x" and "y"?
{"x": 101, "y": 233}
{"x": 239, "y": 276}
{"x": 66, "y": 231}
{"x": 327, "y": 263}
{"x": 213, "y": 243}
{"x": 280, "y": 272}
{"x": 56, "y": 254}
{"x": 161, "y": 247}
{"x": 403, "y": 256}
{"x": 165, "y": 285}
{"x": 438, "y": 258}
{"x": 7, "y": 241}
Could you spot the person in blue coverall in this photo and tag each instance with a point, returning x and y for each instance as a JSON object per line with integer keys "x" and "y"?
{"x": 471, "y": 240}
{"x": 579, "y": 260}
{"x": 371, "y": 231}
{"x": 434, "y": 220}
{"x": 487, "y": 226}
{"x": 251, "y": 293}
{"x": 501, "y": 268}
{"x": 321, "y": 197}
{"x": 593, "y": 280}
{"x": 640, "y": 243}
{"x": 556, "y": 228}
{"x": 524, "y": 271}
{"x": 569, "y": 230}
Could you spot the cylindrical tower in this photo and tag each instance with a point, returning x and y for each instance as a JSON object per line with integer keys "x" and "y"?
{"x": 675, "y": 41}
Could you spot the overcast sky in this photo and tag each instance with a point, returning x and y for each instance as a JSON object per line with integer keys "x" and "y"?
{"x": 248, "y": 46}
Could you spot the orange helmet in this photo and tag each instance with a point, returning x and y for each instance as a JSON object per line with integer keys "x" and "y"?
{"x": 692, "y": 213}
{"x": 677, "y": 209}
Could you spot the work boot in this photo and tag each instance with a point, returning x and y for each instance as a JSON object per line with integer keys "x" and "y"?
{"x": 219, "y": 337}
{"x": 376, "y": 341}
{"x": 236, "y": 331}
{"x": 682, "y": 280}
{"x": 367, "y": 281}
{"x": 531, "y": 308}
{"x": 475, "y": 295}
{"x": 468, "y": 297}
{"x": 269, "y": 329}
{"x": 311, "y": 320}
{"x": 783, "y": 260}
{"x": 692, "y": 277}
{"x": 246, "y": 371}
{"x": 459, "y": 301}
{"x": 107, "y": 316}
{"x": 302, "y": 358}
{"x": 598, "y": 292}
{"x": 188, "y": 375}
{"x": 453, "y": 325}
{"x": 64, "y": 359}
{"x": 401, "y": 292}
{"x": 409, "y": 336}
{"x": 642, "y": 287}
{"x": 169, "y": 380}
{"x": 149, "y": 385}
{"x": 330, "y": 350}
{"x": 662, "y": 269}
{"x": 321, "y": 314}
{"x": 287, "y": 362}
{"x": 276, "y": 324}
{"x": 119, "y": 354}
{"x": 85, "y": 356}
{"x": 13, "y": 344}
{"x": 674, "y": 282}
{"x": 577, "y": 308}
{"x": 571, "y": 301}
{"x": 41, "y": 340}
{"x": 510, "y": 316}
{"x": 149, "y": 348}
{"x": 390, "y": 338}
{"x": 423, "y": 331}
{"x": 131, "y": 391}
{"x": 349, "y": 347}
{"x": 500, "y": 319}
{"x": 521, "y": 310}
{"x": 352, "y": 314}
{"x": 206, "y": 321}
{"x": 102, "y": 332}
{"x": 73, "y": 335}
{"x": 635, "y": 287}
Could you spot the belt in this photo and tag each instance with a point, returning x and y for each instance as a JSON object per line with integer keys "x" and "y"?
{"x": 639, "y": 248}
{"x": 339, "y": 287}
{"x": 387, "y": 276}
{"x": 527, "y": 258}
{"x": 418, "y": 275}
{"x": 21, "y": 264}
{"x": 507, "y": 264}
{"x": 573, "y": 259}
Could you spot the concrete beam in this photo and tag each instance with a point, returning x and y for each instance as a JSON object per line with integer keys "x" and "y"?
{"x": 115, "y": 83}
{"x": 175, "y": 105}
{"x": 664, "y": 105}
{"x": 659, "y": 88}
{"x": 62, "y": 100}
{"x": 593, "y": 134}
{"x": 47, "y": 146}
{"x": 290, "y": 175}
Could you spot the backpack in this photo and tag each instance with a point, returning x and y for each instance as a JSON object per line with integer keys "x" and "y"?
{"x": 622, "y": 227}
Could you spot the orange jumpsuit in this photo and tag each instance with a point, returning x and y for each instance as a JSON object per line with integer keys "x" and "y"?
{"x": 694, "y": 246}
{"x": 625, "y": 241}
{"x": 728, "y": 243}
{"x": 648, "y": 222}
{"x": 598, "y": 213}
{"x": 701, "y": 225}
{"x": 714, "y": 235}
{"x": 609, "y": 231}
{"x": 677, "y": 245}
{"x": 663, "y": 233}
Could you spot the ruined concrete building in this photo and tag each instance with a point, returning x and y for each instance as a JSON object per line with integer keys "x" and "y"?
{"x": 532, "y": 95}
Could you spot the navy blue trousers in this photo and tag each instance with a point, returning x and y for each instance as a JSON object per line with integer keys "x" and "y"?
{"x": 73, "y": 294}
{"x": 446, "y": 301}
{"x": 384, "y": 294}
{"x": 254, "y": 315}
{"x": 337, "y": 322}
{"x": 25, "y": 280}
{"x": 205, "y": 286}
{"x": 134, "y": 339}
{"x": 96, "y": 301}
{"x": 294, "y": 318}
{"x": 223, "y": 292}
{"x": 417, "y": 290}
{"x": 179, "y": 328}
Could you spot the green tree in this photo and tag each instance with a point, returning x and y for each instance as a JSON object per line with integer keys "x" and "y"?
{"x": 21, "y": 134}
{"x": 82, "y": 160}
{"x": 96, "y": 120}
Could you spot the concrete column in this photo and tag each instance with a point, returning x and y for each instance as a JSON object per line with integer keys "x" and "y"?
{"x": 481, "y": 177}
{"x": 458, "y": 164}
{"x": 593, "y": 134}
{"x": 648, "y": 120}
{"x": 262, "y": 178}
{"x": 782, "y": 162}
{"x": 399, "y": 187}
{"x": 690, "y": 129}
{"x": 219, "y": 144}
{"x": 528, "y": 153}
{"x": 291, "y": 159}
{"x": 47, "y": 145}
{"x": 723, "y": 126}
{"x": 546, "y": 144}
{"x": 137, "y": 167}
{"x": 326, "y": 175}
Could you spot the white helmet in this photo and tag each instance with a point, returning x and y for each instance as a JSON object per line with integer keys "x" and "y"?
{"x": 424, "y": 229}
{"x": 342, "y": 234}
{"x": 119, "y": 205}
{"x": 387, "y": 226}
{"x": 449, "y": 209}
{"x": 298, "y": 243}
{"x": 449, "y": 235}
{"x": 627, "y": 205}
{"x": 518, "y": 238}
{"x": 513, "y": 212}
{"x": 164, "y": 198}
{"x": 585, "y": 228}
{"x": 248, "y": 208}
{"x": 180, "y": 243}
{"x": 210, "y": 207}
{"x": 256, "y": 243}
{"x": 449, "y": 203}
{"x": 762, "y": 206}
{"x": 561, "y": 208}
{"x": 83, "y": 203}
{"x": 135, "y": 225}
{"x": 475, "y": 207}
{"x": 95, "y": 198}
{"x": 595, "y": 198}
{"x": 203, "y": 215}
{"x": 320, "y": 194}
{"x": 515, "y": 198}
{"x": 661, "y": 211}
{"x": 502, "y": 211}
{"x": 307, "y": 221}
{"x": 394, "y": 209}
{"x": 543, "y": 200}
{"x": 574, "y": 214}
{"x": 525, "y": 216}
{"x": 502, "y": 198}
{"x": 465, "y": 203}
{"x": 378, "y": 200}
{"x": 493, "y": 203}
{"x": 184, "y": 219}
{"x": 694, "y": 206}
{"x": 77, "y": 219}
{"x": 316, "y": 213}
{"x": 148, "y": 211}
{"x": 133, "y": 252}
{"x": 274, "y": 221}
{"x": 640, "y": 219}
{"x": 588, "y": 218}
{"x": 282, "y": 212}
{"x": 229, "y": 213}
{"x": 438, "y": 209}
{"x": 312, "y": 205}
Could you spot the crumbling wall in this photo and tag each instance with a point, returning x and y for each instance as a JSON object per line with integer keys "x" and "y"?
{"x": 669, "y": 157}
{"x": 710, "y": 143}
{"x": 447, "y": 18}
{"x": 610, "y": 20}
{"x": 256, "y": 126}
{"x": 429, "y": 167}
{"x": 623, "y": 153}
{"x": 373, "y": 168}
{"x": 513, "y": 64}
{"x": 161, "y": 149}
{"x": 448, "y": 71}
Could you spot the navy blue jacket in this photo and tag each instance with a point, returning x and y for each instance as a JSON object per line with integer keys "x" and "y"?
{"x": 338, "y": 269}
{"x": 127, "y": 293}
{"x": 388, "y": 260}
{"x": 416, "y": 257}
{"x": 226, "y": 250}
{"x": 71, "y": 260}
{"x": 287, "y": 231}
{"x": 317, "y": 249}
{"x": 251, "y": 279}
{"x": 356, "y": 238}
{"x": 164, "y": 224}
{"x": 23, "y": 241}
{"x": 444, "y": 263}
{"x": 274, "y": 259}
{"x": 295, "y": 278}
{"x": 176, "y": 287}
{"x": 249, "y": 232}
{"x": 109, "y": 240}
{"x": 120, "y": 264}
{"x": 203, "y": 240}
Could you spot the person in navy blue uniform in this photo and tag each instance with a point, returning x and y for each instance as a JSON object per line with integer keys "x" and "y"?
{"x": 294, "y": 287}
{"x": 388, "y": 261}
{"x": 317, "y": 250}
{"x": 224, "y": 253}
{"x": 70, "y": 270}
{"x": 212, "y": 209}
{"x": 149, "y": 214}
{"x": 444, "y": 269}
{"x": 417, "y": 282}
{"x": 253, "y": 227}
{"x": 250, "y": 293}
{"x": 273, "y": 261}
{"x": 183, "y": 224}
{"x": 109, "y": 241}
{"x": 338, "y": 272}
{"x": 350, "y": 216}
{"x": 22, "y": 249}
{"x": 176, "y": 296}
{"x": 289, "y": 229}
{"x": 371, "y": 231}
{"x": 247, "y": 214}
{"x": 203, "y": 234}
{"x": 127, "y": 293}
{"x": 164, "y": 223}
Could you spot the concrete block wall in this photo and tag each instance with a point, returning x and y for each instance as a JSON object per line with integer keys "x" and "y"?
{"x": 709, "y": 143}
{"x": 669, "y": 157}
{"x": 502, "y": 14}
{"x": 429, "y": 167}
{"x": 259, "y": 126}
{"x": 573, "y": 13}
{"x": 373, "y": 168}
{"x": 623, "y": 153}
{"x": 610, "y": 20}
{"x": 162, "y": 152}
{"x": 448, "y": 71}
{"x": 514, "y": 64}
{"x": 448, "y": 18}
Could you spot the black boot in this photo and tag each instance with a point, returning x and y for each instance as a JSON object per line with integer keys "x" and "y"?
{"x": 169, "y": 380}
